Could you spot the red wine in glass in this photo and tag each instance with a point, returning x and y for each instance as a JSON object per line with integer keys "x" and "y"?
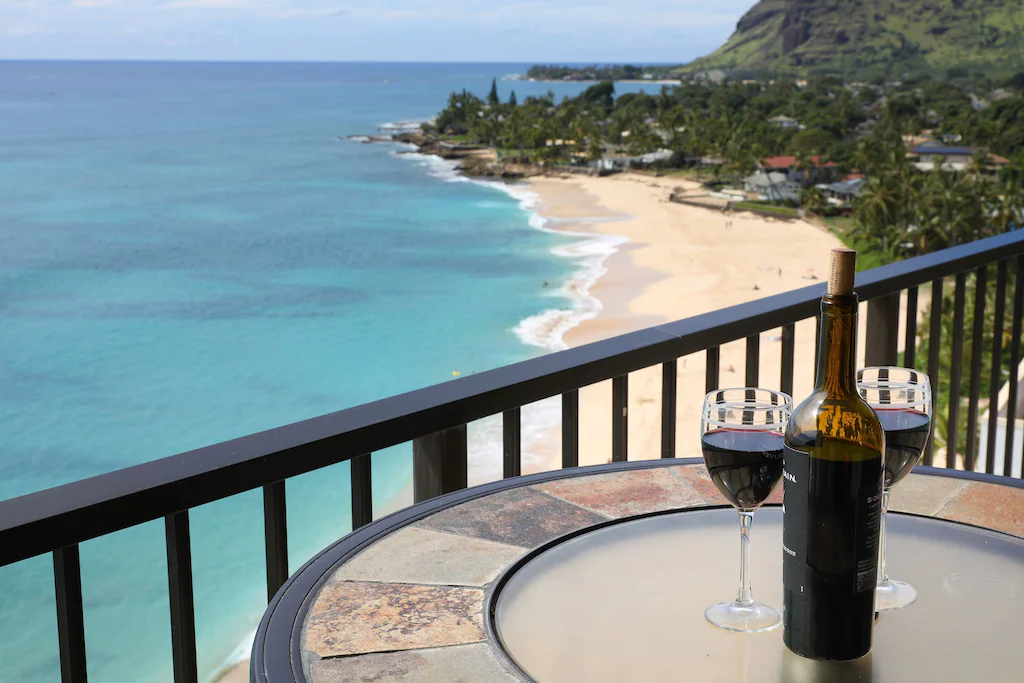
{"x": 906, "y": 432}
{"x": 745, "y": 464}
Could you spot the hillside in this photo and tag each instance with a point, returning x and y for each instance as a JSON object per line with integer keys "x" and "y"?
{"x": 867, "y": 38}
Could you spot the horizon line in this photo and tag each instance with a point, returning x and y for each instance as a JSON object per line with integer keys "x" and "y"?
{"x": 8, "y": 60}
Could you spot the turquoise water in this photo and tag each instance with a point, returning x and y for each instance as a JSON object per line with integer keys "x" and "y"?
{"x": 189, "y": 254}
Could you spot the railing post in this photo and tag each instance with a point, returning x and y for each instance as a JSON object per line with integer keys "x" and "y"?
{"x": 179, "y": 576}
{"x": 439, "y": 463}
{"x": 571, "y": 429}
{"x": 788, "y": 356}
{"x": 955, "y": 365}
{"x": 880, "y": 345}
{"x": 668, "y": 409}
{"x": 934, "y": 345}
{"x": 511, "y": 443}
{"x": 752, "y": 374}
{"x": 361, "y": 474}
{"x": 620, "y": 418}
{"x": 67, "y": 573}
{"x": 275, "y": 532}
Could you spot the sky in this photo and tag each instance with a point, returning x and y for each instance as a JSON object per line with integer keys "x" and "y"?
{"x": 636, "y": 31}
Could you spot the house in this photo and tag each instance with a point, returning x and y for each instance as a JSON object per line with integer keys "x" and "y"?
{"x": 923, "y": 138}
{"x": 771, "y": 186}
{"x": 932, "y": 156}
{"x": 788, "y": 164}
{"x": 977, "y": 102}
{"x": 784, "y": 122}
{"x": 622, "y": 162}
{"x": 842, "y": 193}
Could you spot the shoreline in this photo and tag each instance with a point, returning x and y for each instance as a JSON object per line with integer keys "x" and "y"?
{"x": 679, "y": 261}
{"x": 628, "y": 244}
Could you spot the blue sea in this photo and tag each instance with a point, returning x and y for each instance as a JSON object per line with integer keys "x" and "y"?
{"x": 191, "y": 252}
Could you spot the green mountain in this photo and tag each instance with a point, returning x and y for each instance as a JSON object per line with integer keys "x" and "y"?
{"x": 868, "y": 38}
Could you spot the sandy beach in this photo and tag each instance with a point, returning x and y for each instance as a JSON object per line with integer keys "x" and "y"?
{"x": 680, "y": 261}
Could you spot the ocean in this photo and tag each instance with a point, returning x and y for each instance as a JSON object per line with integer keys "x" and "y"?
{"x": 191, "y": 252}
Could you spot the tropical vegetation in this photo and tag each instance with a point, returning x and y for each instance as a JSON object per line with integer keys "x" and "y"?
{"x": 728, "y": 130}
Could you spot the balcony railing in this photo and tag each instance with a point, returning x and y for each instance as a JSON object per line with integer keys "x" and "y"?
{"x": 434, "y": 419}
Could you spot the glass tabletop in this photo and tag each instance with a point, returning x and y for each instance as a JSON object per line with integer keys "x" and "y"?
{"x": 626, "y": 603}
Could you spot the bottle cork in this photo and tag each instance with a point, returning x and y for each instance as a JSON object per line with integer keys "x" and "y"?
{"x": 840, "y": 278}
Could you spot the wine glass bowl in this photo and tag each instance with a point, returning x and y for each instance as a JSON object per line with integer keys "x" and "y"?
{"x": 742, "y": 437}
{"x": 902, "y": 399}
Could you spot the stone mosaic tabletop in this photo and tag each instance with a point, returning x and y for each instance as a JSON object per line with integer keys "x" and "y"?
{"x": 412, "y": 606}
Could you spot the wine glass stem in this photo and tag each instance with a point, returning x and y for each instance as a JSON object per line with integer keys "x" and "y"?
{"x": 883, "y": 572}
{"x": 744, "y": 597}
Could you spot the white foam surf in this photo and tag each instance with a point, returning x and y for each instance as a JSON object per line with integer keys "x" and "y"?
{"x": 545, "y": 330}
{"x": 409, "y": 126}
{"x": 239, "y": 656}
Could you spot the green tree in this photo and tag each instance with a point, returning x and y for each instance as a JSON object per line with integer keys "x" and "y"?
{"x": 812, "y": 199}
{"x": 492, "y": 97}
{"x": 512, "y": 102}
{"x": 602, "y": 95}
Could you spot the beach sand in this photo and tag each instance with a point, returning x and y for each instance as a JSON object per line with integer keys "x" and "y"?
{"x": 680, "y": 261}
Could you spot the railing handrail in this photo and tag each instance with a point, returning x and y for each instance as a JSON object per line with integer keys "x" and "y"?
{"x": 71, "y": 513}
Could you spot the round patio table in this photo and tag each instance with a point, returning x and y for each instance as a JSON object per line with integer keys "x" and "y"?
{"x": 603, "y": 573}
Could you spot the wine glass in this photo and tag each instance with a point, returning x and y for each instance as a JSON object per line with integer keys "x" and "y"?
{"x": 902, "y": 399}
{"x": 742, "y": 434}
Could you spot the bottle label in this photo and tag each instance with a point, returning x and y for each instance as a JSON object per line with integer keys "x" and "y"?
{"x": 831, "y": 516}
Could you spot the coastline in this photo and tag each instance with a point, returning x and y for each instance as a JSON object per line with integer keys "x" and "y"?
{"x": 640, "y": 261}
{"x": 679, "y": 261}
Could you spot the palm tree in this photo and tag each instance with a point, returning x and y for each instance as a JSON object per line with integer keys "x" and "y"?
{"x": 876, "y": 211}
{"x": 812, "y": 199}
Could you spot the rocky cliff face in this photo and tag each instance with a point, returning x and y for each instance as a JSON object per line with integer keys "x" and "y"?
{"x": 865, "y": 37}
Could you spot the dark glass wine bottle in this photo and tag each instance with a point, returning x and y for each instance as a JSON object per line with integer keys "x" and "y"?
{"x": 833, "y": 489}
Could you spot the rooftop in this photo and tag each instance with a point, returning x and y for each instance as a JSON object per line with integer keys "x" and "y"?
{"x": 788, "y": 161}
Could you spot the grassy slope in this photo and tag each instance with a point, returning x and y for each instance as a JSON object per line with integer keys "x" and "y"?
{"x": 883, "y": 37}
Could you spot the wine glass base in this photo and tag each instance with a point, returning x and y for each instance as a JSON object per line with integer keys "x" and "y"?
{"x": 894, "y": 595}
{"x": 756, "y": 617}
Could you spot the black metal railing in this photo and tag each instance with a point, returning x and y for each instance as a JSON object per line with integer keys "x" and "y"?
{"x": 435, "y": 419}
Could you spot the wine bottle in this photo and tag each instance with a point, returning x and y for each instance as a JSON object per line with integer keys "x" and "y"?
{"x": 832, "y": 473}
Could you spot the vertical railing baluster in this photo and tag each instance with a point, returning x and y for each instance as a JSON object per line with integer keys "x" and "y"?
{"x": 934, "y": 342}
{"x": 620, "y": 418}
{"x": 668, "y": 409}
{"x": 955, "y": 362}
{"x": 1011, "y": 401}
{"x": 179, "y": 578}
{"x": 910, "y": 330}
{"x": 714, "y": 356}
{"x": 881, "y": 341}
{"x": 67, "y": 578}
{"x": 996, "y": 371}
{"x": 977, "y": 331}
{"x": 362, "y": 490}
{"x": 275, "y": 532}
{"x": 752, "y": 373}
{"x": 571, "y": 428}
{"x": 511, "y": 427}
{"x": 788, "y": 351}
{"x": 440, "y": 463}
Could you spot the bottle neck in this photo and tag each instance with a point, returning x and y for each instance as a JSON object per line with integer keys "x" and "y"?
{"x": 838, "y": 345}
